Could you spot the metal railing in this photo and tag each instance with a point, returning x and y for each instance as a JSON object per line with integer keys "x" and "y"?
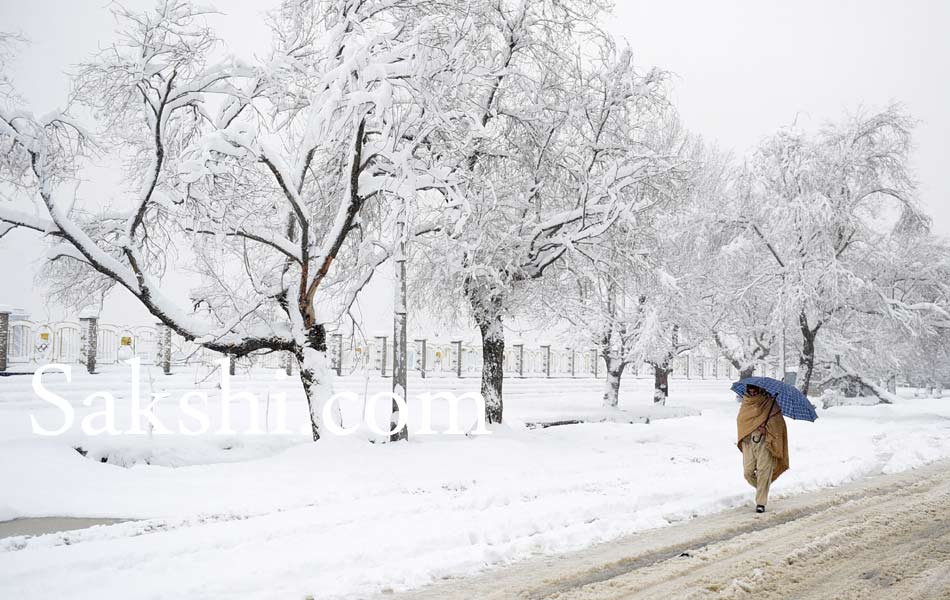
{"x": 31, "y": 342}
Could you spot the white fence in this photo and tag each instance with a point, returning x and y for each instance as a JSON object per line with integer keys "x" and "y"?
{"x": 33, "y": 343}
{"x": 40, "y": 343}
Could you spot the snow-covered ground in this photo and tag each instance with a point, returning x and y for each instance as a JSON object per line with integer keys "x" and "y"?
{"x": 272, "y": 516}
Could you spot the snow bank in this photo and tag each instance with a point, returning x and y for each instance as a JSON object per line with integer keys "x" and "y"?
{"x": 351, "y": 519}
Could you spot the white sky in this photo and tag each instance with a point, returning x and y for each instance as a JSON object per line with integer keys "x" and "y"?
{"x": 742, "y": 69}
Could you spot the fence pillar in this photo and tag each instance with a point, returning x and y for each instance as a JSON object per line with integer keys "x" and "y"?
{"x": 383, "y": 355}
{"x": 421, "y": 348}
{"x": 89, "y": 334}
{"x": 458, "y": 357}
{"x": 791, "y": 375}
{"x": 338, "y": 353}
{"x": 165, "y": 348}
{"x": 547, "y": 360}
{"x": 892, "y": 384}
{"x": 4, "y": 339}
{"x": 573, "y": 352}
{"x": 519, "y": 348}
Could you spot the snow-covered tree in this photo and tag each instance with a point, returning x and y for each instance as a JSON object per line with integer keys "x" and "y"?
{"x": 598, "y": 293}
{"x": 557, "y": 145}
{"x": 613, "y": 294}
{"x": 740, "y": 289}
{"x": 920, "y": 295}
{"x": 673, "y": 313}
{"x": 818, "y": 205}
{"x": 265, "y": 177}
{"x": 895, "y": 328}
{"x": 670, "y": 330}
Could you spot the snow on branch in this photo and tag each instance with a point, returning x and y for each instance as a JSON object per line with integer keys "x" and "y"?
{"x": 15, "y": 218}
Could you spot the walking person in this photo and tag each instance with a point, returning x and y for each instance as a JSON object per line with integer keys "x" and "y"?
{"x": 763, "y": 441}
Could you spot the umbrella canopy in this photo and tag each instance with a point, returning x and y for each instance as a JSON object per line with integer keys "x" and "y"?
{"x": 793, "y": 403}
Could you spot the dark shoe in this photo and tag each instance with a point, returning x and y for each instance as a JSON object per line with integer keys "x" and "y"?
{"x": 759, "y": 508}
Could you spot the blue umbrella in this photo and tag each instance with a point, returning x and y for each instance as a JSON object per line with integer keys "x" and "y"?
{"x": 793, "y": 403}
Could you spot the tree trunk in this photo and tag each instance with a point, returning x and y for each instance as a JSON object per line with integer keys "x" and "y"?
{"x": 316, "y": 378}
{"x": 487, "y": 313}
{"x": 661, "y": 383}
{"x": 747, "y": 372}
{"x": 612, "y": 388}
{"x": 892, "y": 384}
{"x": 852, "y": 388}
{"x": 806, "y": 365}
{"x": 400, "y": 313}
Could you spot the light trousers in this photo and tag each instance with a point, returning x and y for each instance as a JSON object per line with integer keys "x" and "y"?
{"x": 757, "y": 463}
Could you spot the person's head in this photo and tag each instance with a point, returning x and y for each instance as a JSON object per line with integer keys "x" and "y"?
{"x": 754, "y": 391}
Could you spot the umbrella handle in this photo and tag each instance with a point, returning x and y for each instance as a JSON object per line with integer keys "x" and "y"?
{"x": 770, "y": 415}
{"x": 765, "y": 422}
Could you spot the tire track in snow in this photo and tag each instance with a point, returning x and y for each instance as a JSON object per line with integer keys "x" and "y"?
{"x": 885, "y": 537}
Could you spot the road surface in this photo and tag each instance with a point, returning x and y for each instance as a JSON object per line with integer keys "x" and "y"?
{"x": 41, "y": 525}
{"x": 883, "y": 537}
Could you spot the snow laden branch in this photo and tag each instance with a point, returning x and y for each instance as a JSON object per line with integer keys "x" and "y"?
{"x": 820, "y": 208}
{"x": 555, "y": 150}
{"x": 47, "y": 151}
{"x": 262, "y": 173}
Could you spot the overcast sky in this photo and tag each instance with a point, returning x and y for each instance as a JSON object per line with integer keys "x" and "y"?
{"x": 744, "y": 68}
{"x": 741, "y": 69}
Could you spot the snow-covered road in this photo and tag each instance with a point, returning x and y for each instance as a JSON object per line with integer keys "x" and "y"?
{"x": 884, "y": 537}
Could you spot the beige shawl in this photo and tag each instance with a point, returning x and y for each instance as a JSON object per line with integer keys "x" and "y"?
{"x": 753, "y": 413}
